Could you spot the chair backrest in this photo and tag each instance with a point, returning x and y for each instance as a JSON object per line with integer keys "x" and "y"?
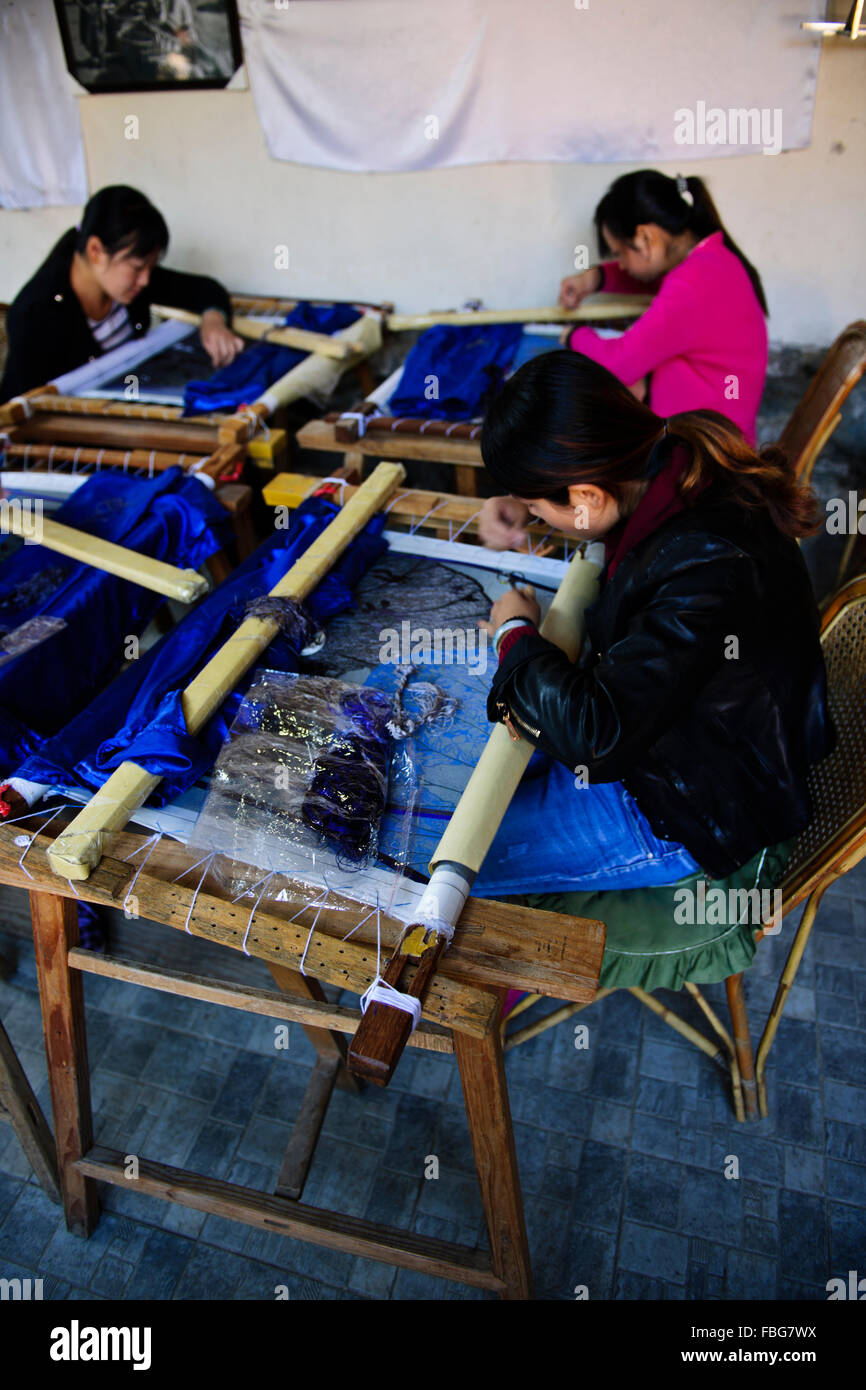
{"x": 818, "y": 414}
{"x": 835, "y": 838}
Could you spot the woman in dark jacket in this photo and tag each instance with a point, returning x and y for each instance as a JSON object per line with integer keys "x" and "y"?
{"x": 682, "y": 737}
{"x": 95, "y": 290}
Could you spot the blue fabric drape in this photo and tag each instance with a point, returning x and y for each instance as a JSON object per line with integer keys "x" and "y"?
{"x": 258, "y": 366}
{"x": 171, "y": 517}
{"x": 462, "y": 365}
{"x": 143, "y": 705}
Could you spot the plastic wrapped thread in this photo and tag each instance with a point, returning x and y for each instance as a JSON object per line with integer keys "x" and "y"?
{"x": 301, "y": 783}
{"x": 346, "y": 796}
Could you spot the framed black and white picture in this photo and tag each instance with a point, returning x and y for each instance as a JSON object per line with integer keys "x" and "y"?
{"x": 149, "y": 45}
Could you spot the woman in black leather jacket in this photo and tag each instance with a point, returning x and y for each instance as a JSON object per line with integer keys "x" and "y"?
{"x": 698, "y": 703}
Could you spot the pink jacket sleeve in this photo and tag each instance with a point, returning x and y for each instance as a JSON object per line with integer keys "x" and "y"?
{"x": 618, "y": 281}
{"x": 669, "y": 327}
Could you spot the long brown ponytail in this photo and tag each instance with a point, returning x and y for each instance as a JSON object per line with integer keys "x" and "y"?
{"x": 752, "y": 478}
{"x": 563, "y": 419}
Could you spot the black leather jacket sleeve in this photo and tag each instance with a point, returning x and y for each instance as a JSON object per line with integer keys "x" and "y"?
{"x": 605, "y": 712}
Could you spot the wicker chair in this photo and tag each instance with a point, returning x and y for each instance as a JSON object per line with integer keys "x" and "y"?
{"x": 833, "y": 843}
{"x": 820, "y": 411}
{"x": 835, "y": 839}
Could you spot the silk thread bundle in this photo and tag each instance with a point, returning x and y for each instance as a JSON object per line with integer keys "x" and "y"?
{"x": 346, "y": 796}
{"x": 294, "y": 620}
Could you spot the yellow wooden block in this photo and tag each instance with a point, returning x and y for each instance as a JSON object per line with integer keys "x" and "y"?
{"x": 269, "y": 452}
{"x": 287, "y": 490}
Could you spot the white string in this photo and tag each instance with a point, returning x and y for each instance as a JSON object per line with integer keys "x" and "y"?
{"x": 199, "y": 464}
{"x": 152, "y": 842}
{"x": 256, "y": 420}
{"x": 75, "y": 458}
{"x": 126, "y": 459}
{"x": 319, "y": 482}
{"x": 467, "y": 522}
{"x": 426, "y": 517}
{"x": 355, "y": 415}
{"x": 29, "y": 844}
{"x": 22, "y": 400}
{"x": 533, "y": 549}
{"x": 400, "y": 497}
{"x": 99, "y": 459}
{"x": 315, "y": 901}
{"x": 150, "y": 469}
{"x": 359, "y": 924}
{"x": 380, "y": 992}
{"x": 265, "y": 883}
{"x": 207, "y": 861}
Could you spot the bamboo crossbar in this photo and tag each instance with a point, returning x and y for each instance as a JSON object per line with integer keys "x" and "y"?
{"x": 184, "y": 585}
{"x": 52, "y": 402}
{"x": 440, "y": 511}
{"x": 425, "y": 1254}
{"x": 347, "y": 429}
{"x": 246, "y": 998}
{"x": 154, "y": 460}
{"x": 592, "y": 310}
{"x": 281, "y": 334}
{"x": 76, "y": 852}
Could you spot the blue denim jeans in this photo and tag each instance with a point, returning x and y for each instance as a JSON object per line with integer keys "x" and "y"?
{"x": 556, "y": 837}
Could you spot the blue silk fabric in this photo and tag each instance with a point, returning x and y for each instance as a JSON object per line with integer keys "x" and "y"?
{"x": 139, "y": 716}
{"x": 171, "y": 517}
{"x": 259, "y": 366}
{"x": 463, "y": 366}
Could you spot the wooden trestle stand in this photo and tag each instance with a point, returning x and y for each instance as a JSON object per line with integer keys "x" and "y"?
{"x": 496, "y": 947}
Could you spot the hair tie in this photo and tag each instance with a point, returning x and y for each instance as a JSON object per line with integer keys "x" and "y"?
{"x": 683, "y": 190}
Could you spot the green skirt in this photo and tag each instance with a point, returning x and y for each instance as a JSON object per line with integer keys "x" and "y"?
{"x": 697, "y": 929}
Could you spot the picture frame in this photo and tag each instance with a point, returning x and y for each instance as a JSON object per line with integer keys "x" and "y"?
{"x": 150, "y": 45}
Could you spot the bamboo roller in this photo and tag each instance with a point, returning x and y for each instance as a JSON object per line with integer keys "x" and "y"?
{"x": 79, "y": 848}
{"x": 184, "y": 585}
{"x": 283, "y": 334}
{"x": 478, "y": 814}
{"x": 595, "y": 307}
{"x": 321, "y": 374}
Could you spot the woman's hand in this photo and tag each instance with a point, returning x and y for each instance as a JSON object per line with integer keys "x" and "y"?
{"x": 516, "y": 603}
{"x": 574, "y": 288}
{"x": 219, "y": 342}
{"x": 502, "y": 523}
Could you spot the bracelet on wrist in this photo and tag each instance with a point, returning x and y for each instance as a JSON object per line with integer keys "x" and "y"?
{"x": 507, "y": 626}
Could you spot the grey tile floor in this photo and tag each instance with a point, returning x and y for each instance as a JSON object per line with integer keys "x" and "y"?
{"x": 622, "y": 1147}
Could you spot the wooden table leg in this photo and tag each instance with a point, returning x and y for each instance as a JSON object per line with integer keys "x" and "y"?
{"x": 20, "y": 1104}
{"x": 329, "y": 1046}
{"x": 55, "y": 930}
{"x": 485, "y": 1094}
{"x": 466, "y": 480}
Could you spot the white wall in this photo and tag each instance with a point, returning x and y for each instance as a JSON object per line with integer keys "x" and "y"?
{"x": 503, "y": 233}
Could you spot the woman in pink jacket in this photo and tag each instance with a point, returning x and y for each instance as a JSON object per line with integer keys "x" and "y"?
{"x": 702, "y": 342}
